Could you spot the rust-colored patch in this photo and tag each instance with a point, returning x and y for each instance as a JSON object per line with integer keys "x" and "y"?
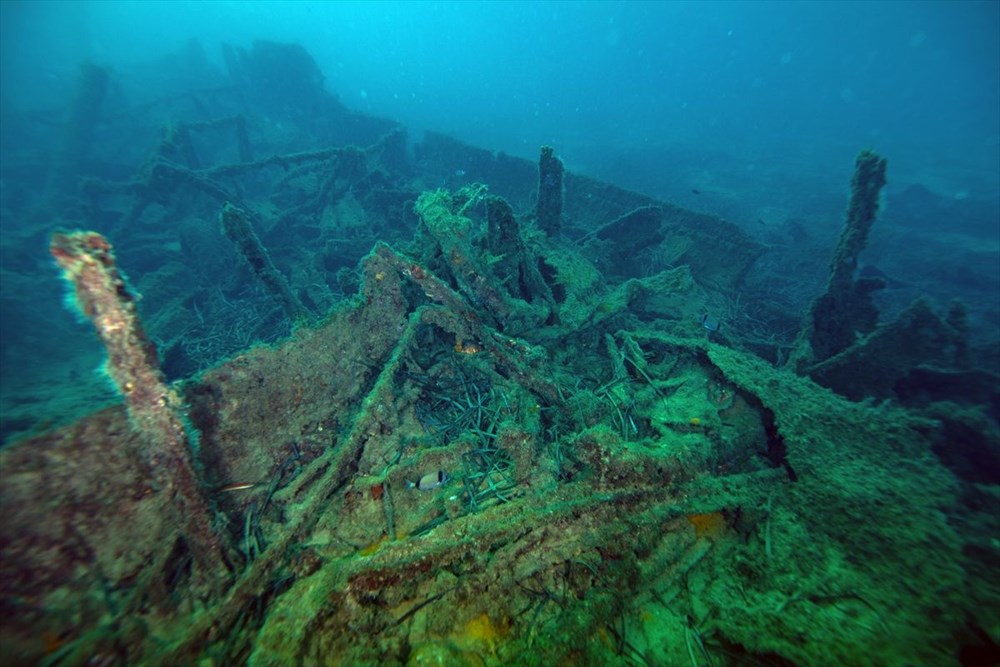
{"x": 52, "y": 642}
{"x": 373, "y": 580}
{"x": 711, "y": 524}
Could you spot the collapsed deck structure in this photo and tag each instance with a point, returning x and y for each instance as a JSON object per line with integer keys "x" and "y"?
{"x": 514, "y": 434}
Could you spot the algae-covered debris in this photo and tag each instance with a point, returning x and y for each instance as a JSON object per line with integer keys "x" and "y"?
{"x": 237, "y": 227}
{"x": 506, "y": 438}
{"x": 845, "y": 309}
{"x": 88, "y": 264}
{"x": 842, "y": 344}
{"x": 548, "y": 211}
{"x": 631, "y": 512}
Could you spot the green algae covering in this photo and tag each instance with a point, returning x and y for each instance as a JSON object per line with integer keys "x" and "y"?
{"x": 494, "y": 455}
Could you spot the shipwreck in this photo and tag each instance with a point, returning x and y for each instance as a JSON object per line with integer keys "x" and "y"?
{"x": 396, "y": 403}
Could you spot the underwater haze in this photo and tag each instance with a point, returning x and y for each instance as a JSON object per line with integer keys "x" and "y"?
{"x": 624, "y": 91}
{"x": 752, "y": 111}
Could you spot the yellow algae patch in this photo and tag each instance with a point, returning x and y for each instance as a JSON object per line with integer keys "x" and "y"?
{"x": 605, "y": 637}
{"x": 482, "y": 633}
{"x": 372, "y": 548}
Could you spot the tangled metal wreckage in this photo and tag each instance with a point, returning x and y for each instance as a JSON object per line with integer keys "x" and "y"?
{"x": 517, "y": 435}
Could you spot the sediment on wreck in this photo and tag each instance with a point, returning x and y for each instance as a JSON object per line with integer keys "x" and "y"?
{"x": 154, "y": 409}
{"x": 549, "y": 209}
{"x": 631, "y": 517}
{"x": 845, "y": 309}
{"x": 236, "y": 224}
{"x": 500, "y": 445}
{"x": 508, "y": 440}
{"x": 842, "y": 344}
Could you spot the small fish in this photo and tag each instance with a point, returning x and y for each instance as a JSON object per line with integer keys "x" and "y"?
{"x": 431, "y": 480}
{"x": 695, "y": 191}
{"x": 468, "y": 348}
{"x": 239, "y": 486}
{"x": 710, "y": 323}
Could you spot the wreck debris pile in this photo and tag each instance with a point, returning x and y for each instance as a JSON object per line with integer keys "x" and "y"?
{"x": 845, "y": 309}
{"x": 842, "y": 344}
{"x": 549, "y": 209}
{"x": 513, "y": 262}
{"x": 592, "y": 504}
{"x": 512, "y": 443}
{"x": 627, "y": 237}
{"x": 178, "y": 144}
{"x": 154, "y": 409}
{"x": 237, "y": 226}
